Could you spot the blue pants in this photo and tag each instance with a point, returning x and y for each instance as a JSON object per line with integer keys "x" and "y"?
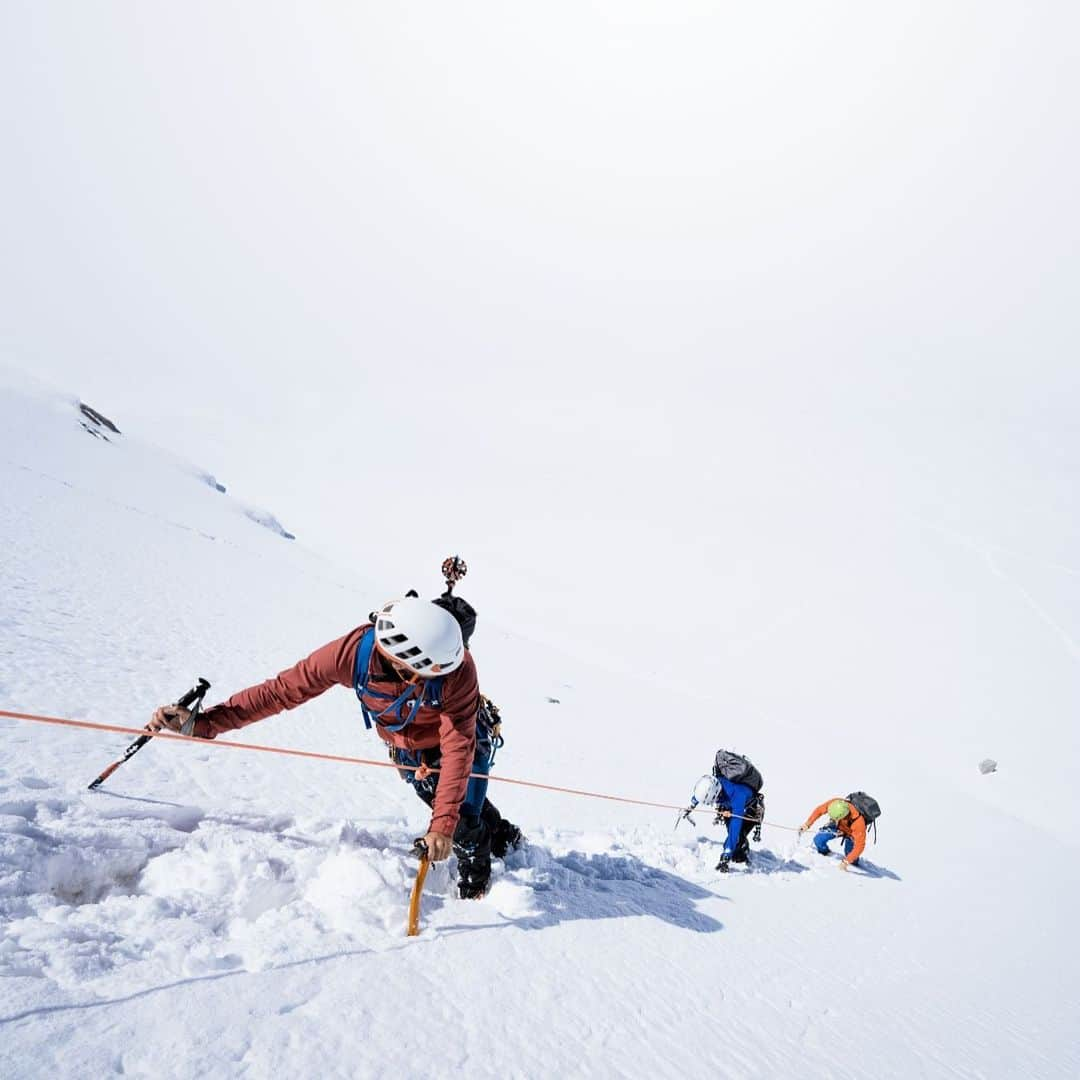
{"x": 827, "y": 835}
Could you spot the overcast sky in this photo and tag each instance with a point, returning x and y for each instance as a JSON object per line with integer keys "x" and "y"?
{"x": 609, "y": 297}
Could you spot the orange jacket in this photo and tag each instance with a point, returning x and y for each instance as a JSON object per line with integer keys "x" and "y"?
{"x": 854, "y": 825}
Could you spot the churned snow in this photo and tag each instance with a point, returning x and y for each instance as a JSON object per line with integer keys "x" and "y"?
{"x": 232, "y": 913}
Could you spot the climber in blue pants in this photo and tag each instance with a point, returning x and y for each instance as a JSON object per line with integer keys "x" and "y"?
{"x": 845, "y": 821}
{"x": 739, "y": 804}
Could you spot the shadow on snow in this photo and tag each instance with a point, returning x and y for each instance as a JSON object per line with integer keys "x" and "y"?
{"x": 575, "y": 885}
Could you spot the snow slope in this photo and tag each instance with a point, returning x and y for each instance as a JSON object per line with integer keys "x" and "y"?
{"x": 227, "y": 913}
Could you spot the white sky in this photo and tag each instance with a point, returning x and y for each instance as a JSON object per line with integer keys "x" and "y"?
{"x": 616, "y": 291}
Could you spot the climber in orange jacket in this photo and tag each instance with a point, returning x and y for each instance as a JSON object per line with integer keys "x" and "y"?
{"x": 844, "y": 820}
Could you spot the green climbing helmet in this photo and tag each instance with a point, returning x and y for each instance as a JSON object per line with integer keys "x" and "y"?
{"x": 838, "y": 809}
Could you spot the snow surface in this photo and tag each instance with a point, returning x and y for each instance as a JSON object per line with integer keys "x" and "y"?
{"x": 229, "y": 913}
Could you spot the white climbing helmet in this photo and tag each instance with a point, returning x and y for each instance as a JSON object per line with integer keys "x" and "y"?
{"x": 420, "y": 635}
{"x": 705, "y": 791}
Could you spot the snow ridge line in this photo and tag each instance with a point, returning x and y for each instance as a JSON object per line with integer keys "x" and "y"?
{"x": 317, "y": 756}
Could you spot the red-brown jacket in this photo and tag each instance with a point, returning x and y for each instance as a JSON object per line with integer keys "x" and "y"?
{"x": 854, "y": 825}
{"x": 452, "y": 728}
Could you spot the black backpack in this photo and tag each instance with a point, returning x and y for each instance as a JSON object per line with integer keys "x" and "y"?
{"x": 462, "y": 610}
{"x": 737, "y": 769}
{"x": 868, "y": 807}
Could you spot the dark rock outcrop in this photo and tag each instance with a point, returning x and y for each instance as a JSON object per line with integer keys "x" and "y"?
{"x": 95, "y": 417}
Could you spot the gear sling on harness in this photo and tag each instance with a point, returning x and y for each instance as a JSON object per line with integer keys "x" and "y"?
{"x": 399, "y": 713}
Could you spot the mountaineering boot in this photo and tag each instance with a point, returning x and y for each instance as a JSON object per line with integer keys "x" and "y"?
{"x": 724, "y": 863}
{"x": 472, "y": 846}
{"x": 472, "y": 890}
{"x": 505, "y": 835}
{"x": 506, "y": 838}
{"x": 742, "y": 852}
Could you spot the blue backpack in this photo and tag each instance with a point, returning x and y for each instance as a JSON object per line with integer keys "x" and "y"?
{"x": 401, "y": 709}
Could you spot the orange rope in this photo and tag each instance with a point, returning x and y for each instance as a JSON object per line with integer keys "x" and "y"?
{"x": 315, "y": 755}
{"x": 173, "y": 737}
{"x": 703, "y": 809}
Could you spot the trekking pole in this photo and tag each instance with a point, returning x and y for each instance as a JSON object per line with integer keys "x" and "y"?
{"x": 192, "y": 698}
{"x": 420, "y": 850}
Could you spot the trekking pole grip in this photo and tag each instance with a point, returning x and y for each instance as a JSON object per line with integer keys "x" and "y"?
{"x": 194, "y": 698}
{"x": 197, "y": 692}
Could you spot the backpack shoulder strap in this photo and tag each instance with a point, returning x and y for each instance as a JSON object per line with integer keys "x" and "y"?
{"x": 360, "y": 671}
{"x": 430, "y": 690}
{"x": 867, "y": 823}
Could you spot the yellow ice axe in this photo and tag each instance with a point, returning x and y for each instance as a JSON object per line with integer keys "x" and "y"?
{"x": 420, "y": 849}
